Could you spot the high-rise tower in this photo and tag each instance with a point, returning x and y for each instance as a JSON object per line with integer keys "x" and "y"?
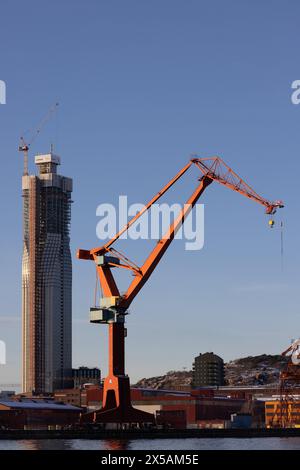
{"x": 46, "y": 278}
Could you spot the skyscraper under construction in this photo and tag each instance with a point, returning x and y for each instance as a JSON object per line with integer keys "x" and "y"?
{"x": 46, "y": 278}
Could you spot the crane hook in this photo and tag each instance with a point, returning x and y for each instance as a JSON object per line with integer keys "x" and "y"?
{"x": 271, "y": 223}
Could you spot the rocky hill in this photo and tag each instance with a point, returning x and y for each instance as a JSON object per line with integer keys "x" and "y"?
{"x": 254, "y": 370}
{"x": 172, "y": 380}
{"x": 251, "y": 370}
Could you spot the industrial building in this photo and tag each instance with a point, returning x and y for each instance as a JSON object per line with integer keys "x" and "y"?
{"x": 208, "y": 370}
{"x": 171, "y": 408}
{"x": 7, "y": 394}
{"x": 36, "y": 414}
{"x": 195, "y": 409}
{"x": 71, "y": 396}
{"x": 282, "y": 411}
{"x": 84, "y": 375}
{"x": 46, "y": 278}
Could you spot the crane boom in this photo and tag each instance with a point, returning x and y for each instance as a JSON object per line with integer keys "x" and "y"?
{"x": 219, "y": 171}
{"x": 113, "y": 307}
{"x": 213, "y": 169}
{"x": 294, "y": 346}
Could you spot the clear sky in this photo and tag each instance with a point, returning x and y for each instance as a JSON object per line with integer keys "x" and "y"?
{"x": 141, "y": 85}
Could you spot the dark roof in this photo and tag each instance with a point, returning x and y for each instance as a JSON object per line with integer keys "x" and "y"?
{"x": 40, "y": 405}
{"x": 209, "y": 355}
{"x": 162, "y": 391}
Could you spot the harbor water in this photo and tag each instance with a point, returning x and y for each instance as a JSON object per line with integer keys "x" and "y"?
{"x": 270, "y": 443}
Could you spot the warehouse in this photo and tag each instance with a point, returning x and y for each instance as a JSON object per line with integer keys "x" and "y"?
{"x": 37, "y": 414}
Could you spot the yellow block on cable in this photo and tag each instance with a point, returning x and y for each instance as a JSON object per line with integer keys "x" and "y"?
{"x": 271, "y": 223}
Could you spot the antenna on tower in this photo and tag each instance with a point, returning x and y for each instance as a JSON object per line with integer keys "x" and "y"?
{"x": 24, "y": 146}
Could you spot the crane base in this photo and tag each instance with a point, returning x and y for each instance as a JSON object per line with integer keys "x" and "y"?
{"x": 118, "y": 415}
{"x": 117, "y": 404}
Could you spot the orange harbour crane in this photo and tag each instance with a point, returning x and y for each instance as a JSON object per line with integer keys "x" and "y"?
{"x": 117, "y": 407}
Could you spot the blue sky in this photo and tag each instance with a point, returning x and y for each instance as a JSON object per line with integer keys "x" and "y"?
{"x": 141, "y": 85}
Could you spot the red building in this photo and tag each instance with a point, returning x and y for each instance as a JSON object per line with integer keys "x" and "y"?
{"x": 175, "y": 408}
{"x": 37, "y": 414}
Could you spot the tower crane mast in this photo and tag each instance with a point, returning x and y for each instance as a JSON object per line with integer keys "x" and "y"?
{"x": 114, "y": 306}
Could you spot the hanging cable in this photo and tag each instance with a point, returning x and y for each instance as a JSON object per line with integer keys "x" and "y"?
{"x": 96, "y": 290}
{"x": 56, "y": 123}
{"x": 281, "y": 244}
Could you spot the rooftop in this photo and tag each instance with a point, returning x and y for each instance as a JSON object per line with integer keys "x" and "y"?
{"x": 38, "y": 404}
{"x": 47, "y": 158}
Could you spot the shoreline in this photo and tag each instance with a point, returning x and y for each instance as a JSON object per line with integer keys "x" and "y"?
{"x": 148, "y": 434}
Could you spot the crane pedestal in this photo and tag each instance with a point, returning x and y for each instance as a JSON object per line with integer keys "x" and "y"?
{"x": 117, "y": 407}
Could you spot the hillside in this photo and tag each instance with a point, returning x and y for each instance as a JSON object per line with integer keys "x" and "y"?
{"x": 251, "y": 370}
{"x": 171, "y": 380}
{"x": 254, "y": 370}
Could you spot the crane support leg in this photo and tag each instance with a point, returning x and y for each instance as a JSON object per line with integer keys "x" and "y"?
{"x": 117, "y": 407}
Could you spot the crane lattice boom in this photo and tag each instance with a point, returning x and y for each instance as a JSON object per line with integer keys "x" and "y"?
{"x": 219, "y": 171}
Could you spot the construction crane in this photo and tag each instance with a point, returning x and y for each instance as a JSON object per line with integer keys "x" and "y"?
{"x": 24, "y": 146}
{"x": 290, "y": 374}
{"x": 289, "y": 382}
{"x": 113, "y": 306}
{"x": 294, "y": 351}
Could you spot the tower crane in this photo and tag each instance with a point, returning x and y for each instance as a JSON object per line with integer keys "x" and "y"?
{"x": 113, "y": 308}
{"x": 289, "y": 380}
{"x": 24, "y": 146}
{"x": 290, "y": 374}
{"x": 294, "y": 351}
